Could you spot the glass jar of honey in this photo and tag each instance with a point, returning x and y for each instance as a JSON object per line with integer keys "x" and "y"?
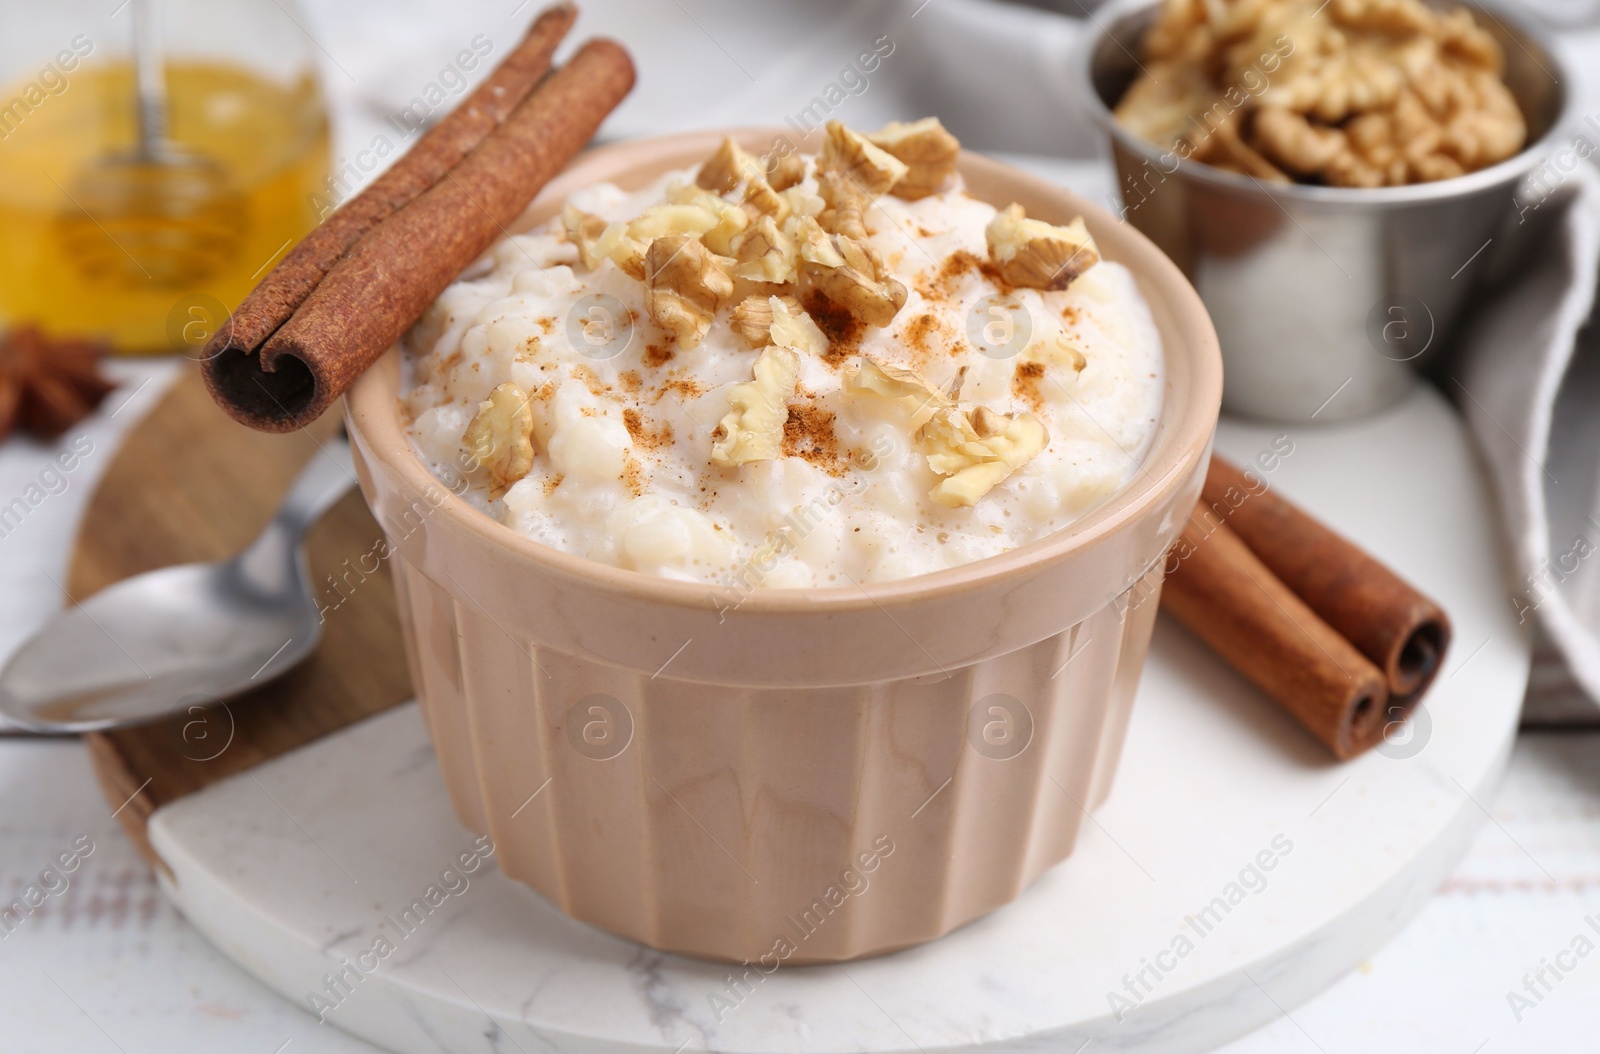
{"x": 155, "y": 161}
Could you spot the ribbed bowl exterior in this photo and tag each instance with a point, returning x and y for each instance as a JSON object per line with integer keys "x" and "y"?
{"x": 719, "y": 821}
{"x": 787, "y": 775}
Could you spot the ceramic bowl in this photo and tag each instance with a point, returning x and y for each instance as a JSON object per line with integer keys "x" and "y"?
{"x": 801, "y": 775}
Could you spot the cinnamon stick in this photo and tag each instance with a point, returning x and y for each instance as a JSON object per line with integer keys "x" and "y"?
{"x": 232, "y": 380}
{"x": 1225, "y": 595}
{"x": 438, "y": 150}
{"x": 1399, "y": 629}
{"x": 386, "y": 281}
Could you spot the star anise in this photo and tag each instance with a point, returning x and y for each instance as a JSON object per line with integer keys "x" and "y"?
{"x": 48, "y": 385}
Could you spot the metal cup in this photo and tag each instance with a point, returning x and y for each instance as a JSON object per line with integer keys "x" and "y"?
{"x": 1326, "y": 298}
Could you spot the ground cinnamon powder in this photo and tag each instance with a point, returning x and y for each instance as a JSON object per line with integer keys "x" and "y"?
{"x": 1025, "y": 383}
{"x": 843, "y": 330}
{"x": 682, "y": 388}
{"x": 808, "y": 434}
{"x": 643, "y": 436}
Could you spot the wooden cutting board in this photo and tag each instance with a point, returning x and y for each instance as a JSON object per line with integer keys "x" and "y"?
{"x": 189, "y": 484}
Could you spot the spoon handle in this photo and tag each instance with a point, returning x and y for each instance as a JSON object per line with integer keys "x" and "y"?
{"x": 149, "y": 78}
{"x": 327, "y": 477}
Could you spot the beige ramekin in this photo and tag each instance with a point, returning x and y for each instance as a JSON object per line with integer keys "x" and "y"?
{"x": 797, "y": 775}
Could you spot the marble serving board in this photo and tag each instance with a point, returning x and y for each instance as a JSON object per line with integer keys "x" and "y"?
{"x": 1235, "y": 872}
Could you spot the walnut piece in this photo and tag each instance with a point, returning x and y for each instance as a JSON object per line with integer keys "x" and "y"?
{"x": 500, "y": 438}
{"x": 732, "y": 220}
{"x": 728, "y": 168}
{"x": 766, "y": 253}
{"x": 1461, "y": 37}
{"x": 1360, "y": 78}
{"x": 752, "y": 429}
{"x": 584, "y": 230}
{"x": 847, "y": 274}
{"x": 1357, "y": 93}
{"x": 1039, "y": 255}
{"x": 752, "y": 318}
{"x": 732, "y": 165}
{"x": 915, "y": 397}
{"x": 1226, "y": 148}
{"x": 1410, "y": 141}
{"x": 676, "y": 217}
{"x": 598, "y": 241}
{"x": 692, "y": 211}
{"x": 1488, "y": 129}
{"x": 793, "y": 328}
{"x": 780, "y": 320}
{"x": 1391, "y": 17}
{"x": 686, "y": 284}
{"x": 929, "y": 152}
{"x": 784, "y": 170}
{"x": 803, "y": 202}
{"x": 977, "y": 452}
{"x": 1160, "y": 108}
{"x": 1068, "y": 354}
{"x": 761, "y": 200}
{"x": 845, "y": 206}
{"x": 732, "y": 168}
{"x": 1181, "y": 32}
{"x": 1291, "y": 140}
{"x": 622, "y": 249}
{"x": 853, "y": 155}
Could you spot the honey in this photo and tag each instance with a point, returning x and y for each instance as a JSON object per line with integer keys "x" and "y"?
{"x": 79, "y": 260}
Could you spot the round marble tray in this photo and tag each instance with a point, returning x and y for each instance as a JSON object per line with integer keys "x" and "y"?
{"x": 1234, "y": 873}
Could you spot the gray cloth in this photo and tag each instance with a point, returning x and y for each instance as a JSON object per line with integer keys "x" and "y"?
{"x": 1528, "y": 381}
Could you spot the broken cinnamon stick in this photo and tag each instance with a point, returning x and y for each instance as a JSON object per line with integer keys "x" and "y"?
{"x": 1226, "y": 596}
{"x": 438, "y": 150}
{"x": 1399, "y": 629}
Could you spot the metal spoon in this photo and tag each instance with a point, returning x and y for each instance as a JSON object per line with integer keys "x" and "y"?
{"x": 161, "y": 642}
{"x": 159, "y": 212}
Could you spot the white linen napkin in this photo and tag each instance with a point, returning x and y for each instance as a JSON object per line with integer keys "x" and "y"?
{"x": 1527, "y": 377}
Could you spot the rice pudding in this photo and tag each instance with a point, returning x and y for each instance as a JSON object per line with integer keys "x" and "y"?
{"x": 789, "y": 371}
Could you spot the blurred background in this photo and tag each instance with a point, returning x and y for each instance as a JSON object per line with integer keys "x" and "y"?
{"x": 272, "y": 112}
